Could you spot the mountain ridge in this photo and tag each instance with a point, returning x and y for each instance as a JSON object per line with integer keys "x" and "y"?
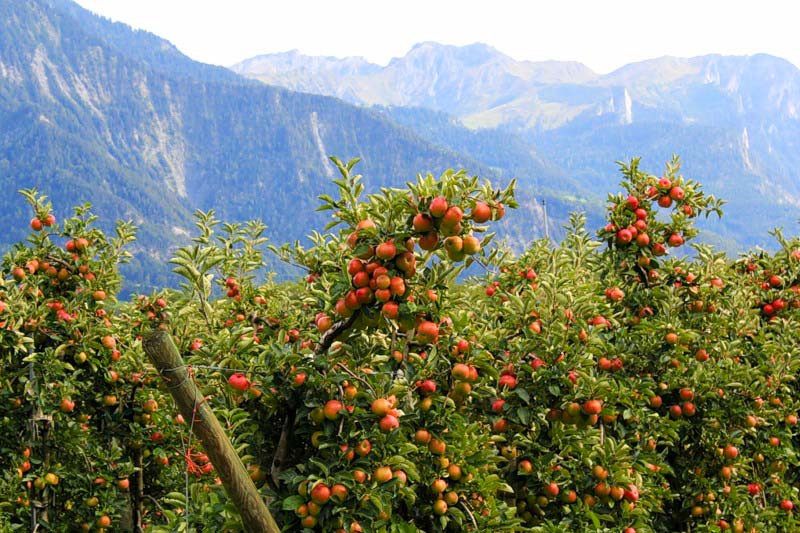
{"x": 514, "y": 82}
{"x": 734, "y": 119}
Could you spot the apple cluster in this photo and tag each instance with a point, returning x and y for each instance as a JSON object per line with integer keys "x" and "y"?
{"x": 440, "y": 224}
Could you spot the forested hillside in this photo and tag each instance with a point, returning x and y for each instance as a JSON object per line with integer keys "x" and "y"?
{"x": 95, "y": 111}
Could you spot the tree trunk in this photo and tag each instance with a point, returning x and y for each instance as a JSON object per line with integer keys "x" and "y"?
{"x": 137, "y": 491}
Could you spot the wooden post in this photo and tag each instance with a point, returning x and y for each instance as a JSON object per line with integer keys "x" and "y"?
{"x": 256, "y": 517}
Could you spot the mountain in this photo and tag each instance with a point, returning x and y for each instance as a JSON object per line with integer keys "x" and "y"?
{"x": 733, "y": 119}
{"x": 486, "y": 88}
{"x": 462, "y": 81}
{"x": 92, "y": 110}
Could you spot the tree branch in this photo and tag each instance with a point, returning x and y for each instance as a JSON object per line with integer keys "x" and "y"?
{"x": 283, "y": 447}
{"x": 337, "y": 329}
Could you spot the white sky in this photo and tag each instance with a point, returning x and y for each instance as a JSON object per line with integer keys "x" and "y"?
{"x": 603, "y": 34}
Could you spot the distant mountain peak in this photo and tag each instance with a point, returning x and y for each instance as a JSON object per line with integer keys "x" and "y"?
{"x": 476, "y": 47}
{"x": 471, "y": 54}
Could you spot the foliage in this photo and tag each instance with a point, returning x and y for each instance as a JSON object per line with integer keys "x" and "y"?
{"x": 593, "y": 385}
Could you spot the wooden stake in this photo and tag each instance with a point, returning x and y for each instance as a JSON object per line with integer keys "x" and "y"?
{"x": 256, "y": 517}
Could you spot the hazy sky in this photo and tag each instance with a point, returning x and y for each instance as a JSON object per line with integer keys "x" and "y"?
{"x": 603, "y": 34}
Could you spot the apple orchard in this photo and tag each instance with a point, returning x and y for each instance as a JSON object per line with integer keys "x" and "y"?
{"x": 610, "y": 382}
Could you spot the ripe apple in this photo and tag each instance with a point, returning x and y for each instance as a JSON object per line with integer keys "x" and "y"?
{"x": 438, "y": 486}
{"x": 592, "y": 407}
{"x": 460, "y": 371}
{"x": 507, "y": 380}
{"x": 481, "y": 212}
{"x": 239, "y": 381}
{"x": 109, "y": 342}
{"x": 422, "y": 436}
{"x": 615, "y": 294}
{"x": 332, "y": 408}
{"x": 730, "y": 452}
{"x": 497, "y": 405}
{"x": 381, "y": 406}
{"x": 429, "y": 241}
{"x": 390, "y": 310}
{"x": 339, "y": 493}
{"x": 427, "y": 332}
{"x": 599, "y": 472}
{"x": 675, "y": 240}
{"x": 67, "y": 405}
{"x": 18, "y": 273}
{"x": 499, "y": 211}
{"x": 454, "y": 471}
{"x": 397, "y": 286}
{"x": 389, "y": 423}
{"x": 438, "y": 207}
{"x": 427, "y": 386}
{"x": 150, "y": 406}
{"x": 500, "y": 426}
{"x": 422, "y": 223}
{"x": 437, "y": 446}
{"x": 440, "y": 507}
{"x": 386, "y": 251}
{"x": 453, "y": 245}
{"x": 320, "y": 494}
{"x": 624, "y": 236}
{"x": 602, "y": 489}
{"x": 551, "y": 490}
{"x": 631, "y": 494}
{"x": 323, "y": 322}
{"x": 383, "y": 474}
{"x": 354, "y": 267}
{"x": 471, "y": 245}
{"x": 617, "y": 493}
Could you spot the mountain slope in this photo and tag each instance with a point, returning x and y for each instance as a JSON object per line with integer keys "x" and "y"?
{"x": 95, "y": 111}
